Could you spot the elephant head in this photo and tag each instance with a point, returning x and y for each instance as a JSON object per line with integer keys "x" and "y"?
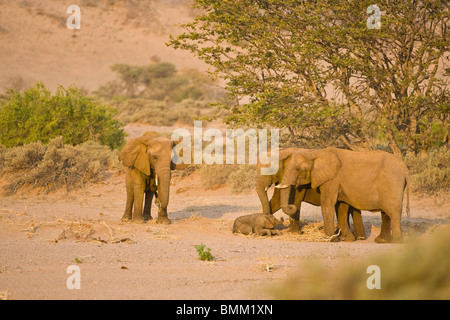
{"x": 270, "y": 222}
{"x": 152, "y": 156}
{"x": 313, "y": 167}
{"x": 263, "y": 182}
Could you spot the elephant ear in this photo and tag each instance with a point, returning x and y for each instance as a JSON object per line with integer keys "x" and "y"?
{"x": 325, "y": 167}
{"x": 134, "y": 155}
{"x": 174, "y": 166}
{"x": 284, "y": 157}
{"x": 286, "y": 153}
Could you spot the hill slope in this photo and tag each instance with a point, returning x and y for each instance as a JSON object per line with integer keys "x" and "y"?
{"x": 36, "y": 45}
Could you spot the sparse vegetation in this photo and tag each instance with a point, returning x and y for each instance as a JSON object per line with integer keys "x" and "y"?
{"x": 158, "y": 94}
{"x": 56, "y": 165}
{"x": 429, "y": 172}
{"x": 240, "y": 178}
{"x": 158, "y": 113}
{"x": 204, "y": 253}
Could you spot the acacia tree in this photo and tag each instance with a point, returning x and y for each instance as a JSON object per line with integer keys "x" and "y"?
{"x": 322, "y": 71}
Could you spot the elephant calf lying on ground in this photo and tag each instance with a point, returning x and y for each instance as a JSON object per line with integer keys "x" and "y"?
{"x": 260, "y": 224}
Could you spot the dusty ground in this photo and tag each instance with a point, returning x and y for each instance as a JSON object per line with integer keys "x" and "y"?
{"x": 41, "y": 235}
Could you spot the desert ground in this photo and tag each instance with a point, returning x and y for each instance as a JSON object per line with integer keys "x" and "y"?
{"x": 43, "y": 234}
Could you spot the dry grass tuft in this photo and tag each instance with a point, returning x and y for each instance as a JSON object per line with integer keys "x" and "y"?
{"x": 268, "y": 264}
{"x": 313, "y": 232}
{"x": 161, "y": 233}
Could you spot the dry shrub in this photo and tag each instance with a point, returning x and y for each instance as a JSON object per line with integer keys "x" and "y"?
{"x": 429, "y": 172}
{"x": 80, "y": 231}
{"x": 239, "y": 177}
{"x": 159, "y": 113}
{"x": 56, "y": 165}
{"x": 242, "y": 179}
{"x": 418, "y": 270}
{"x": 83, "y": 231}
{"x": 214, "y": 174}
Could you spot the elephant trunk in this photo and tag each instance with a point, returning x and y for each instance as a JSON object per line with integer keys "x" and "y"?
{"x": 163, "y": 181}
{"x": 285, "y": 194}
{"x": 261, "y": 190}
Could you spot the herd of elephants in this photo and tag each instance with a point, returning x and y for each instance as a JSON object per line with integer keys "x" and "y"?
{"x": 342, "y": 182}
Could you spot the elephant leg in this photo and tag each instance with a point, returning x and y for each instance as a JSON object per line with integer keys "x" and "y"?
{"x": 263, "y": 232}
{"x": 162, "y": 216}
{"x": 275, "y": 232}
{"x": 385, "y": 234}
{"x": 294, "y": 220}
{"x": 328, "y": 201}
{"x": 328, "y": 212}
{"x": 138, "y": 194}
{"x": 129, "y": 206}
{"x": 130, "y": 196}
{"x": 148, "y": 205}
{"x": 245, "y": 229}
{"x": 358, "y": 225}
{"x": 396, "y": 225}
{"x": 342, "y": 210}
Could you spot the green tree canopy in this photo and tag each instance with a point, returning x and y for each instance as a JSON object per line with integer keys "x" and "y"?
{"x": 319, "y": 68}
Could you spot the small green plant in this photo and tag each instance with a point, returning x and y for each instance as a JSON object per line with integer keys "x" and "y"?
{"x": 204, "y": 253}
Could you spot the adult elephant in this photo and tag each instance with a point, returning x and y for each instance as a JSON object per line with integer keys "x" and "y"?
{"x": 148, "y": 164}
{"x": 371, "y": 180}
{"x": 303, "y": 193}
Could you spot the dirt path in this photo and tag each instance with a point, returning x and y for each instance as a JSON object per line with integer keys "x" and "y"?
{"x": 42, "y": 235}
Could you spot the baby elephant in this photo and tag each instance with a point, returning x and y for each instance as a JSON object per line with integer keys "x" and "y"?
{"x": 261, "y": 224}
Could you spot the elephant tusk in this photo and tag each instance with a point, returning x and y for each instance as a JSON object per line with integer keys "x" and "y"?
{"x": 334, "y": 236}
{"x": 284, "y": 186}
{"x": 156, "y": 180}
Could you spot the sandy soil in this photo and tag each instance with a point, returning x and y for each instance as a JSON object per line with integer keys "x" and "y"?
{"x": 43, "y": 234}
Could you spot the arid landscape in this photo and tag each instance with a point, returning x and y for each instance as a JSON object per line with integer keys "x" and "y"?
{"x": 42, "y": 234}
